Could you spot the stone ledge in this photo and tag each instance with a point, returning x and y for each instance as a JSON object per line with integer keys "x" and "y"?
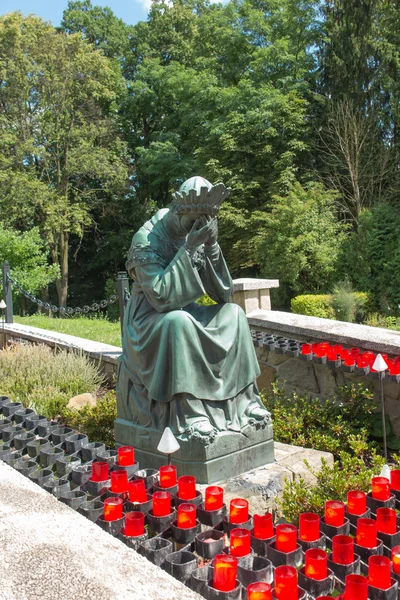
{"x": 245, "y": 284}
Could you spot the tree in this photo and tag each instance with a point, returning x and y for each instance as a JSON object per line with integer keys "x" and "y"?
{"x": 60, "y": 151}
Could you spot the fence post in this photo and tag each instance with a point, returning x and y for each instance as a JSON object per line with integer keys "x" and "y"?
{"x": 123, "y": 294}
{"x": 7, "y": 292}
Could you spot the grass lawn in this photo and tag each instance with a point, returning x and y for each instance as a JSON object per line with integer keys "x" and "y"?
{"x": 97, "y": 329}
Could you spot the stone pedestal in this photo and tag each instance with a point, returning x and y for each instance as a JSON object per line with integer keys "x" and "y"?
{"x": 227, "y": 456}
{"x": 253, "y": 294}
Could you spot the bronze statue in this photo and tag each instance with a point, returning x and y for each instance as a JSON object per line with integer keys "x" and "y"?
{"x": 190, "y": 367}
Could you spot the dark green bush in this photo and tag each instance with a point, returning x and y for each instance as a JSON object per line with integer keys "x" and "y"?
{"x": 343, "y": 305}
{"x": 96, "y": 421}
{"x": 313, "y": 305}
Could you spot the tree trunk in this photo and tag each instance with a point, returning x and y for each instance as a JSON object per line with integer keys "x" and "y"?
{"x": 63, "y": 287}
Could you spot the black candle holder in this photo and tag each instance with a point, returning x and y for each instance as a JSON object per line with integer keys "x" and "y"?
{"x": 390, "y": 540}
{"x": 364, "y": 554}
{"x": 73, "y": 498}
{"x": 260, "y": 546}
{"x": 306, "y": 357}
{"x": 91, "y": 509}
{"x": 112, "y": 527}
{"x": 40, "y": 476}
{"x": 131, "y": 470}
{"x": 132, "y": 542}
{"x": 180, "y": 565}
{"x": 90, "y": 451}
{"x": 110, "y": 494}
{"x": 10, "y": 456}
{"x": 354, "y": 518}
{"x": 340, "y": 571}
{"x": 21, "y": 414}
{"x": 212, "y": 594}
{"x": 156, "y": 550}
{"x": 333, "y": 364}
{"x": 390, "y": 593}
{"x": 25, "y": 466}
{"x": 184, "y": 536}
{"x": 198, "y": 579}
{"x": 56, "y": 486}
{"x": 96, "y": 488}
{"x": 7, "y": 449}
{"x": 73, "y": 443}
{"x": 149, "y": 476}
{"x": 209, "y": 543}
{"x": 10, "y": 408}
{"x": 197, "y": 500}
{"x": 81, "y": 474}
{"x": 4, "y": 400}
{"x": 173, "y": 490}
{"x": 66, "y": 463}
{"x": 278, "y": 558}
{"x": 374, "y": 504}
{"x": 58, "y": 435}
{"x": 33, "y": 421}
{"x": 9, "y": 433}
{"x": 143, "y": 507}
{"x": 21, "y": 440}
{"x": 46, "y": 428}
{"x": 319, "y": 543}
{"x": 4, "y": 423}
{"x": 109, "y": 456}
{"x": 48, "y": 456}
{"x": 254, "y": 568}
{"x": 228, "y": 526}
{"x": 316, "y": 587}
{"x": 331, "y": 530}
{"x": 35, "y": 446}
{"x": 160, "y": 524}
{"x": 211, "y": 518}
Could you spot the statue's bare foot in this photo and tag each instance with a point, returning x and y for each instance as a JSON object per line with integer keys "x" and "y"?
{"x": 202, "y": 430}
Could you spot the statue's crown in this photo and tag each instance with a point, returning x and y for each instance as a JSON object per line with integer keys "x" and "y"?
{"x": 197, "y": 195}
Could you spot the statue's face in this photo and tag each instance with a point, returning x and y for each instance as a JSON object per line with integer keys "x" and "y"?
{"x": 186, "y": 221}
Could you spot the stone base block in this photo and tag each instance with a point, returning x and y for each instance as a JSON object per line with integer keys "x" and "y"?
{"x": 227, "y": 456}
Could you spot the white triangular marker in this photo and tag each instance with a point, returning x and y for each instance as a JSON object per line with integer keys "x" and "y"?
{"x": 168, "y": 443}
{"x": 385, "y": 472}
{"x": 380, "y": 364}
{"x": 3, "y": 304}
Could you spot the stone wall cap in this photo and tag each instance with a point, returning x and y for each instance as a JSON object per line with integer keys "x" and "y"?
{"x": 247, "y": 283}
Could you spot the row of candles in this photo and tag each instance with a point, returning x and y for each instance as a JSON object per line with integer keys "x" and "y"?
{"x": 350, "y": 358}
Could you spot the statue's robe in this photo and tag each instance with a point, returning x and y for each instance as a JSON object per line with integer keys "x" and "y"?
{"x": 183, "y": 362}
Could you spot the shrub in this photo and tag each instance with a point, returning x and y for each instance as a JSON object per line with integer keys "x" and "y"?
{"x": 205, "y": 300}
{"x": 343, "y": 305}
{"x": 96, "y": 421}
{"x": 313, "y": 305}
{"x": 46, "y": 380}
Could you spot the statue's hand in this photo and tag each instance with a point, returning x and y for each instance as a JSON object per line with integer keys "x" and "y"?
{"x": 199, "y": 234}
{"x": 213, "y": 229}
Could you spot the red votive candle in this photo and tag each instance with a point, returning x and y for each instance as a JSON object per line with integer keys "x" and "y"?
{"x": 161, "y": 504}
{"x": 225, "y": 571}
{"x": 306, "y": 349}
{"x": 126, "y": 456}
{"x": 286, "y": 583}
{"x": 356, "y": 502}
{"x": 134, "y": 524}
{"x": 259, "y": 591}
{"x": 379, "y": 572}
{"x": 337, "y": 348}
{"x": 396, "y": 559}
{"x": 187, "y": 487}
{"x": 137, "y": 491}
{"x": 395, "y": 480}
{"x": 355, "y": 588}
{"x": 214, "y": 498}
{"x": 186, "y": 516}
{"x": 316, "y": 564}
{"x": 380, "y": 488}
{"x": 331, "y": 354}
{"x": 342, "y": 549}
{"x": 286, "y": 537}
{"x": 386, "y": 520}
{"x": 366, "y": 535}
{"x": 167, "y": 476}
{"x": 113, "y": 509}
{"x": 119, "y": 482}
{"x": 334, "y": 513}
{"x": 238, "y": 510}
{"x": 99, "y": 471}
{"x": 239, "y": 542}
{"x": 263, "y": 526}
{"x": 309, "y": 527}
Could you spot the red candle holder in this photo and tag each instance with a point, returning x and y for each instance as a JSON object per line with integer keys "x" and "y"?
{"x": 396, "y": 559}
{"x": 214, "y": 498}
{"x": 386, "y": 520}
{"x": 119, "y": 482}
{"x": 238, "y": 511}
{"x": 186, "y": 516}
{"x": 239, "y": 542}
{"x": 395, "y": 480}
{"x": 356, "y": 502}
{"x": 259, "y": 591}
{"x": 334, "y": 513}
{"x": 306, "y": 348}
{"x": 286, "y": 583}
{"x": 137, "y": 491}
{"x": 113, "y": 509}
{"x": 225, "y": 572}
{"x": 309, "y": 527}
{"x": 366, "y": 534}
{"x": 187, "y": 487}
{"x": 167, "y": 476}
{"x": 263, "y": 526}
{"x": 331, "y": 354}
{"x": 286, "y": 537}
{"x": 161, "y": 504}
{"x": 337, "y": 348}
{"x": 134, "y": 524}
{"x": 316, "y": 566}
{"x": 342, "y": 549}
{"x": 355, "y": 588}
{"x": 379, "y": 572}
{"x": 99, "y": 471}
{"x": 380, "y": 488}
{"x": 126, "y": 456}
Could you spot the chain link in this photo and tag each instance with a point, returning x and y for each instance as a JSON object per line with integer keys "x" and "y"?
{"x": 63, "y": 310}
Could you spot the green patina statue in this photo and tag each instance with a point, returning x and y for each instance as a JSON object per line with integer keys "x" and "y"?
{"x": 190, "y": 367}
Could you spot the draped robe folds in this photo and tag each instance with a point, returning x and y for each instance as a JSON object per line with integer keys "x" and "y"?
{"x": 183, "y": 362}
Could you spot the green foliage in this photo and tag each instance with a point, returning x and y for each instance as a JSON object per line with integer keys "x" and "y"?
{"x": 332, "y": 426}
{"x": 97, "y": 422}
{"x": 377, "y": 320}
{"x": 343, "y": 305}
{"x": 332, "y": 482}
{"x": 313, "y": 305}
{"x": 45, "y": 380}
{"x": 205, "y": 301}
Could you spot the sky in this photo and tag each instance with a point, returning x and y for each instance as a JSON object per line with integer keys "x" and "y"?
{"x": 131, "y": 11}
